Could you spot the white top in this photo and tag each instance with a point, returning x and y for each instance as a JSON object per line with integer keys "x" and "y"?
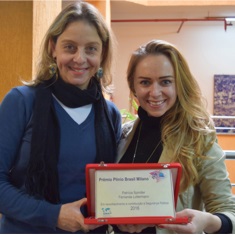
{"x": 80, "y": 114}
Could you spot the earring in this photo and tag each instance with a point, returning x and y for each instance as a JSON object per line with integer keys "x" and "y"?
{"x": 99, "y": 73}
{"x": 52, "y": 69}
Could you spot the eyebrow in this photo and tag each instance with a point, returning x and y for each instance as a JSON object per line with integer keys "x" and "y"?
{"x": 162, "y": 77}
{"x": 71, "y": 41}
{"x": 166, "y": 76}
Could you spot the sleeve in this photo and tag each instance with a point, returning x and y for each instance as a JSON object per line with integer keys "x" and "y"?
{"x": 15, "y": 203}
{"x": 215, "y": 185}
{"x": 227, "y": 226}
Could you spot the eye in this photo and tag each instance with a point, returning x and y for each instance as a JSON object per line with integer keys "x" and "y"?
{"x": 167, "y": 81}
{"x": 145, "y": 82}
{"x": 91, "y": 49}
{"x": 70, "y": 48}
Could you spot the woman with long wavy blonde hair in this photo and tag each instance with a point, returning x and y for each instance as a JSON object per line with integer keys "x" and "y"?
{"x": 173, "y": 125}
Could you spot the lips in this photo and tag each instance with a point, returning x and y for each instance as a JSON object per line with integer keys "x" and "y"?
{"x": 78, "y": 70}
{"x": 156, "y": 103}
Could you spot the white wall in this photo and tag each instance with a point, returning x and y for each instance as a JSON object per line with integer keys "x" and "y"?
{"x": 207, "y": 47}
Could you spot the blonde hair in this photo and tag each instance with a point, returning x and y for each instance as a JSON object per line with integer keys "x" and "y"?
{"x": 79, "y": 11}
{"x": 187, "y": 128}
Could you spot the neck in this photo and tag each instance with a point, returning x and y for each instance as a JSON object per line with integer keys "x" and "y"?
{"x": 148, "y": 144}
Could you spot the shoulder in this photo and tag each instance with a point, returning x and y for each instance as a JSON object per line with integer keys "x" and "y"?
{"x": 215, "y": 161}
{"x": 215, "y": 152}
{"x": 113, "y": 110}
{"x": 20, "y": 97}
{"x": 112, "y": 107}
{"x": 25, "y": 91}
{"x": 19, "y": 92}
{"x": 128, "y": 127}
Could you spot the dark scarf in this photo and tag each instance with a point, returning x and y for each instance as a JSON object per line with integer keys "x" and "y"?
{"x": 42, "y": 175}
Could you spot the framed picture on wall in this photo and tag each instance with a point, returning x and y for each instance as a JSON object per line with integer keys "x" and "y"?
{"x": 224, "y": 103}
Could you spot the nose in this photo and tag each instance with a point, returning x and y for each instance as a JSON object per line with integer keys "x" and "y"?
{"x": 155, "y": 90}
{"x": 79, "y": 56}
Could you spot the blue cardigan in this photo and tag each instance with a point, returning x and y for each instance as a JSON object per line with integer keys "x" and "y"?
{"x": 25, "y": 214}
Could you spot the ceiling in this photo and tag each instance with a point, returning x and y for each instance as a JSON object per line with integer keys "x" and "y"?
{"x": 130, "y": 10}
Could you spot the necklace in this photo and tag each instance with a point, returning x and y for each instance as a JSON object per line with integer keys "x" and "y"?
{"x": 137, "y": 143}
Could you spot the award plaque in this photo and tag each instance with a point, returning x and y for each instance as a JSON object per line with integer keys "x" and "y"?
{"x": 132, "y": 193}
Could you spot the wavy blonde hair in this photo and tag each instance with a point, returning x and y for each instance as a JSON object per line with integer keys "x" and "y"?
{"x": 79, "y": 11}
{"x": 187, "y": 128}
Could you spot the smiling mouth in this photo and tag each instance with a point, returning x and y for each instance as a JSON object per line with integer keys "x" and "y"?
{"x": 157, "y": 103}
{"x": 80, "y": 70}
